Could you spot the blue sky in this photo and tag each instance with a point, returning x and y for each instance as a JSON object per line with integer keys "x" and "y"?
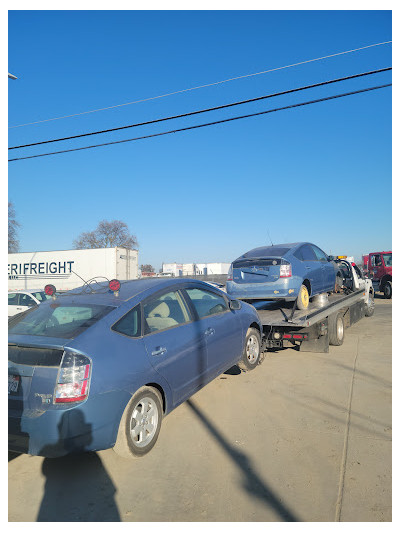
{"x": 320, "y": 173}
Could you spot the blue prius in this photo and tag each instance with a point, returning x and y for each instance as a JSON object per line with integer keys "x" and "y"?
{"x": 288, "y": 272}
{"x": 99, "y": 368}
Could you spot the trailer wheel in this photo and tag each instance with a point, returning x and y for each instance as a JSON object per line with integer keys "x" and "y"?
{"x": 387, "y": 290}
{"x": 370, "y": 305}
{"x": 336, "y": 329}
{"x": 303, "y": 298}
{"x": 252, "y": 350}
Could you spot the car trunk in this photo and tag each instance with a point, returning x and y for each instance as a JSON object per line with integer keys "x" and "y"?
{"x": 257, "y": 270}
{"x": 32, "y": 376}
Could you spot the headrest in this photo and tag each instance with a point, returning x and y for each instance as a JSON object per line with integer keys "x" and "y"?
{"x": 161, "y": 310}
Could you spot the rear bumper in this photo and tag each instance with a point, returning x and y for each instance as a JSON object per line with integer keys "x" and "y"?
{"x": 56, "y": 432}
{"x": 287, "y": 290}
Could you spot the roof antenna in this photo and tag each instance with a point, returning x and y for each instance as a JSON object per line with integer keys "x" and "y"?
{"x": 270, "y": 237}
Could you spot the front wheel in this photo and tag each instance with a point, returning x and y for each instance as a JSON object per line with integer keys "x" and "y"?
{"x": 387, "y": 290}
{"x": 370, "y": 305}
{"x": 140, "y": 423}
{"x": 252, "y": 350}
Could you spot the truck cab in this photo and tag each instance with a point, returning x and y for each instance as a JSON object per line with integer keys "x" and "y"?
{"x": 380, "y": 271}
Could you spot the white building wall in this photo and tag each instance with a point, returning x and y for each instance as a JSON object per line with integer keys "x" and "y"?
{"x": 193, "y": 269}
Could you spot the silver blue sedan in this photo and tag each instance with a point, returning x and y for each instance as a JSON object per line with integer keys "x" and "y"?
{"x": 295, "y": 271}
{"x": 94, "y": 369}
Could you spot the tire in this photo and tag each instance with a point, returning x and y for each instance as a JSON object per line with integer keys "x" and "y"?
{"x": 336, "y": 329}
{"x": 251, "y": 351}
{"x": 370, "y": 305}
{"x": 387, "y": 290}
{"x": 140, "y": 424}
{"x": 303, "y": 298}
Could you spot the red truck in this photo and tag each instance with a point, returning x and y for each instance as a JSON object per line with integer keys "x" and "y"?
{"x": 378, "y": 267}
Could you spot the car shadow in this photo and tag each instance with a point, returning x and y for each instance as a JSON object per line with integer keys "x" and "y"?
{"x": 78, "y": 487}
{"x": 251, "y": 481}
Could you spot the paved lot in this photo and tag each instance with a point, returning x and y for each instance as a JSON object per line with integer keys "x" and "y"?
{"x": 304, "y": 437}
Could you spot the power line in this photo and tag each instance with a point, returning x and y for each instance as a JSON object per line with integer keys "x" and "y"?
{"x": 208, "y": 123}
{"x": 204, "y": 110}
{"x": 203, "y": 86}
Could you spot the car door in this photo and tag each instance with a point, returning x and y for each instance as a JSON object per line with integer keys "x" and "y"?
{"x": 220, "y": 326}
{"x": 327, "y": 268}
{"x": 312, "y": 268}
{"x": 175, "y": 344}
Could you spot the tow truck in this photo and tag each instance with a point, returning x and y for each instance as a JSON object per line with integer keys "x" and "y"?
{"x": 324, "y": 322}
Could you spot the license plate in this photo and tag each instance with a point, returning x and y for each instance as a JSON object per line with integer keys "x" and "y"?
{"x": 13, "y": 382}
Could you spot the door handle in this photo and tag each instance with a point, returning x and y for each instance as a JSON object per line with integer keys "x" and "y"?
{"x": 308, "y": 267}
{"x": 160, "y": 350}
{"x": 209, "y": 331}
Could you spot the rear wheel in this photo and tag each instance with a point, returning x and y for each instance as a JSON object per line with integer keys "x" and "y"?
{"x": 336, "y": 329}
{"x": 303, "y": 298}
{"x": 370, "y": 305}
{"x": 387, "y": 290}
{"x": 252, "y": 350}
{"x": 140, "y": 423}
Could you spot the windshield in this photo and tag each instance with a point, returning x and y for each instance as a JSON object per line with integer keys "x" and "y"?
{"x": 57, "y": 320}
{"x": 40, "y": 295}
{"x": 387, "y": 259}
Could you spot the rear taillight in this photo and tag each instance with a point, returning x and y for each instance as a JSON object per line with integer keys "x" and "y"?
{"x": 73, "y": 378}
{"x": 230, "y": 274}
{"x": 286, "y": 270}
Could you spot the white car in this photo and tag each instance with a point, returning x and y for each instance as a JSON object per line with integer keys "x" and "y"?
{"x": 20, "y": 301}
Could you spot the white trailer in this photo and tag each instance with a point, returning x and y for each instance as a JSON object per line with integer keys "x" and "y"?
{"x": 67, "y": 269}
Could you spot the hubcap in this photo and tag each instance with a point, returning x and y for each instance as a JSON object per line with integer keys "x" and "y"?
{"x": 340, "y": 328}
{"x": 252, "y": 349}
{"x": 144, "y": 422}
{"x": 304, "y": 296}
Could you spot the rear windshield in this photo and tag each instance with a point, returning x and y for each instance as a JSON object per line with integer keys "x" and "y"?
{"x": 268, "y": 251}
{"x": 57, "y": 320}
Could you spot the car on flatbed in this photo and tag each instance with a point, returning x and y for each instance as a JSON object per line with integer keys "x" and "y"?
{"x": 286, "y": 272}
{"x": 98, "y": 368}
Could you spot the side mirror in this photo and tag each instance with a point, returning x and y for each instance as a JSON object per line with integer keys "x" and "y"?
{"x": 235, "y": 305}
{"x": 330, "y": 258}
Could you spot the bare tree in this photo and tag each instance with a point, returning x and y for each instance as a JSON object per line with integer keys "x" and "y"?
{"x": 108, "y": 234}
{"x": 146, "y": 268}
{"x": 13, "y": 225}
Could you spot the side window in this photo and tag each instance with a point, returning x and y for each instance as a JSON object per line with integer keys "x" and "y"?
{"x": 129, "y": 324}
{"x": 207, "y": 303}
{"x": 13, "y": 298}
{"x": 319, "y": 253}
{"x": 165, "y": 311}
{"x": 308, "y": 254}
{"x": 378, "y": 260}
{"x": 299, "y": 254}
{"x": 25, "y": 299}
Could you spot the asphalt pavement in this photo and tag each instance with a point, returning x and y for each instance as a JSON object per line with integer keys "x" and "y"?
{"x": 303, "y": 437}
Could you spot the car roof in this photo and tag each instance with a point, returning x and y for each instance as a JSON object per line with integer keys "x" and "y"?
{"x": 103, "y": 296}
{"x": 25, "y": 291}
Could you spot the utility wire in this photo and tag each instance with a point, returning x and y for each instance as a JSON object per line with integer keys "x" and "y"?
{"x": 204, "y": 110}
{"x": 203, "y": 86}
{"x": 208, "y": 123}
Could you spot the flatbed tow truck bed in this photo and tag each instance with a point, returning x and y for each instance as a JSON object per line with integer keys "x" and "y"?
{"x": 312, "y": 329}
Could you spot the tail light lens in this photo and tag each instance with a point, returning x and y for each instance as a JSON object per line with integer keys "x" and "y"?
{"x": 286, "y": 270}
{"x": 73, "y": 378}
{"x": 230, "y": 274}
